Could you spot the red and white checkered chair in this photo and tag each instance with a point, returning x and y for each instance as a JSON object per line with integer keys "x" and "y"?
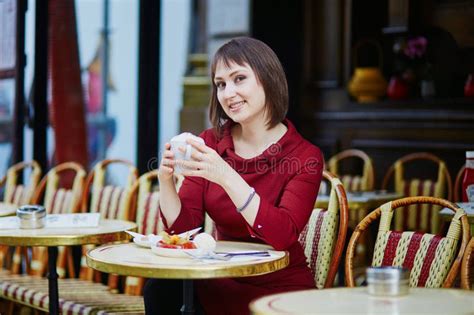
{"x": 433, "y": 260}
{"x": 324, "y": 236}
{"x": 436, "y": 182}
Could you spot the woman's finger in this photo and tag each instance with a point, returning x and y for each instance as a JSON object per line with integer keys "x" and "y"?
{"x": 168, "y": 162}
{"x": 197, "y": 156}
{"x": 168, "y": 154}
{"x": 190, "y": 164}
{"x": 199, "y": 146}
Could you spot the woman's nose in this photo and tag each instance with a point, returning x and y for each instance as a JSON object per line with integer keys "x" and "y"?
{"x": 229, "y": 91}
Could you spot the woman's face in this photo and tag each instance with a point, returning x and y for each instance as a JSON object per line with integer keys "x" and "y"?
{"x": 240, "y": 93}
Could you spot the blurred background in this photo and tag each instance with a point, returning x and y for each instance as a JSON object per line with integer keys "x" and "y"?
{"x": 86, "y": 80}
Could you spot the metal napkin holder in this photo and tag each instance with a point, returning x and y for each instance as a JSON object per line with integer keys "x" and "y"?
{"x": 387, "y": 281}
{"x": 31, "y": 216}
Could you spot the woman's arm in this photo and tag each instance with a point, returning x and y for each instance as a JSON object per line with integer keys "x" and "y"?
{"x": 278, "y": 225}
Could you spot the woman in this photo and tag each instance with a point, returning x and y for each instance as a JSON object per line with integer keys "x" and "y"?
{"x": 256, "y": 177}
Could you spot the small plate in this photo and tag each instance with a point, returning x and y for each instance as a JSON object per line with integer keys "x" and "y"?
{"x": 141, "y": 243}
{"x": 174, "y": 252}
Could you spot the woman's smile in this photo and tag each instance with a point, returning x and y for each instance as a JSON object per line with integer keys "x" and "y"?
{"x": 237, "y": 106}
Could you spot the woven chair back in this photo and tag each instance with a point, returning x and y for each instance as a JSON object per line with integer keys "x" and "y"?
{"x": 57, "y": 199}
{"x": 110, "y": 200}
{"x": 427, "y": 219}
{"x": 353, "y": 182}
{"x": 323, "y": 238}
{"x": 16, "y": 193}
{"x": 433, "y": 260}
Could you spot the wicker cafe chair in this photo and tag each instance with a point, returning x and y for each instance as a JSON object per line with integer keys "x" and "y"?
{"x": 352, "y": 182}
{"x": 467, "y": 267}
{"x": 17, "y": 194}
{"x": 427, "y": 219}
{"x": 434, "y": 260}
{"x": 112, "y": 201}
{"x": 362, "y": 182}
{"x": 57, "y": 199}
{"x": 148, "y": 219}
{"x": 324, "y": 236}
{"x": 148, "y": 216}
{"x": 458, "y": 184}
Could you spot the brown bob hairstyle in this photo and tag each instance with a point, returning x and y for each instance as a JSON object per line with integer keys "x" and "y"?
{"x": 268, "y": 70}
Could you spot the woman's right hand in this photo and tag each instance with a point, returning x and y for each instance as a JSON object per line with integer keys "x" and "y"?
{"x": 166, "y": 170}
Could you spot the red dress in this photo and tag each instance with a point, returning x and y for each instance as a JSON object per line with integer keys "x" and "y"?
{"x": 286, "y": 177}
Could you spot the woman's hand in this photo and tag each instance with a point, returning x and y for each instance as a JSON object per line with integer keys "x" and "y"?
{"x": 166, "y": 169}
{"x": 205, "y": 163}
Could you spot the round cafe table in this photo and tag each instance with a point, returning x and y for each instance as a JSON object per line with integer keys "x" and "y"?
{"x": 107, "y": 231}
{"x": 7, "y": 209}
{"x": 132, "y": 260}
{"x": 358, "y": 301}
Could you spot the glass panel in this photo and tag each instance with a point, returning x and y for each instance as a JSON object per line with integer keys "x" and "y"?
{"x": 111, "y": 128}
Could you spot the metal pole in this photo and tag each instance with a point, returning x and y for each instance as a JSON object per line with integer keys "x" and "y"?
{"x": 53, "y": 280}
{"x": 40, "y": 88}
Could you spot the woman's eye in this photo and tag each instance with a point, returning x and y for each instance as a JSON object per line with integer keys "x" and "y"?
{"x": 220, "y": 85}
{"x": 239, "y": 78}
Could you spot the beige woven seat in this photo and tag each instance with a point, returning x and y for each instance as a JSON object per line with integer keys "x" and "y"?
{"x": 324, "y": 236}
{"x": 467, "y": 267}
{"x": 434, "y": 260}
{"x": 438, "y": 185}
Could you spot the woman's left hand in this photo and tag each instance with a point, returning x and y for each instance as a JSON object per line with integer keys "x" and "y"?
{"x": 205, "y": 163}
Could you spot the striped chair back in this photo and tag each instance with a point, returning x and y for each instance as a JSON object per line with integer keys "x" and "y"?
{"x": 58, "y": 200}
{"x": 148, "y": 218}
{"x": 16, "y": 193}
{"x": 353, "y": 182}
{"x": 433, "y": 260}
{"x": 324, "y": 235}
{"x": 111, "y": 201}
{"x": 148, "y": 205}
{"x": 427, "y": 219}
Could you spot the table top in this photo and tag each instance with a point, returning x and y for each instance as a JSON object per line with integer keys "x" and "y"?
{"x": 107, "y": 231}
{"x": 366, "y": 199}
{"x": 468, "y": 207}
{"x": 358, "y": 301}
{"x": 7, "y": 209}
{"x": 132, "y": 260}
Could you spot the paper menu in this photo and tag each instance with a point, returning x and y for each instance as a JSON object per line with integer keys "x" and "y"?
{"x": 70, "y": 220}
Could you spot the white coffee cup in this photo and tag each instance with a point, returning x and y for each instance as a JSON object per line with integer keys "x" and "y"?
{"x": 178, "y": 142}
